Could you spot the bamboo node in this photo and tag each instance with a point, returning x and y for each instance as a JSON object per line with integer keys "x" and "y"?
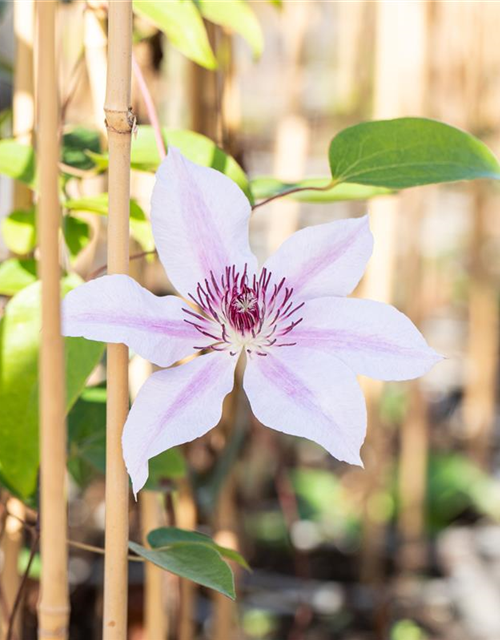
{"x": 62, "y": 632}
{"x": 119, "y": 121}
{"x": 52, "y": 611}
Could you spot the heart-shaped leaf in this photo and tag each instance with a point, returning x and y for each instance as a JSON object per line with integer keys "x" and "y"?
{"x": 195, "y": 146}
{"x": 19, "y": 231}
{"x": 17, "y": 161}
{"x": 140, "y": 227}
{"x": 19, "y": 347}
{"x": 236, "y": 15}
{"x": 165, "y": 536}
{"x": 408, "y": 152}
{"x": 197, "y": 562}
{"x": 16, "y": 274}
{"x": 181, "y": 22}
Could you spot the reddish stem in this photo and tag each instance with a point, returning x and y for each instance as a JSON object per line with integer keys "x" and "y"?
{"x": 102, "y": 269}
{"x": 327, "y": 187}
{"x": 150, "y": 107}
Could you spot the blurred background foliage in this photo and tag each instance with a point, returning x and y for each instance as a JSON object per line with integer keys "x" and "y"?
{"x": 409, "y": 548}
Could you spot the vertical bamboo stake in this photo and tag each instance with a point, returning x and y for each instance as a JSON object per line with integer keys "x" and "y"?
{"x": 480, "y": 394}
{"x": 225, "y": 616}
{"x": 120, "y": 123}
{"x": 23, "y": 107}
{"x": 225, "y": 610}
{"x": 186, "y": 517}
{"x": 12, "y": 541}
{"x": 95, "y": 56}
{"x": 152, "y": 513}
{"x": 378, "y": 284}
{"x": 22, "y": 124}
{"x": 293, "y": 134}
{"x": 155, "y": 617}
{"x": 414, "y": 437}
{"x": 53, "y": 608}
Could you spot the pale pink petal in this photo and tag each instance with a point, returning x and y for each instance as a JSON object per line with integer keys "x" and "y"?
{"x": 312, "y": 395}
{"x": 117, "y": 309}
{"x": 173, "y": 407}
{"x": 200, "y": 222}
{"x": 324, "y": 260}
{"x": 372, "y": 338}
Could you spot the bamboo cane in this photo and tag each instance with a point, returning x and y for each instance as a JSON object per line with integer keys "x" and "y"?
{"x": 293, "y": 132}
{"x": 22, "y": 125}
{"x": 23, "y": 108}
{"x": 95, "y": 57}
{"x": 480, "y": 393}
{"x": 152, "y": 513}
{"x": 155, "y": 616}
{"x": 186, "y": 518}
{"x": 12, "y": 541}
{"x": 226, "y": 518}
{"x": 414, "y": 438}
{"x": 120, "y": 123}
{"x": 378, "y": 284}
{"x": 53, "y": 608}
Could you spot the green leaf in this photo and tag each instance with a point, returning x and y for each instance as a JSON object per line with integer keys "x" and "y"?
{"x": 165, "y": 536}
{"x": 76, "y": 234}
{"x": 267, "y": 187}
{"x": 17, "y": 161}
{"x": 15, "y": 275}
{"x": 408, "y": 152}
{"x": 197, "y": 562}
{"x": 19, "y": 231}
{"x": 87, "y": 444}
{"x": 237, "y": 16}
{"x": 195, "y": 146}
{"x": 181, "y": 22}
{"x": 5, "y": 116}
{"x": 168, "y": 465}
{"x": 140, "y": 227}
{"x": 87, "y": 436}
{"x": 76, "y": 143}
{"x": 19, "y": 345}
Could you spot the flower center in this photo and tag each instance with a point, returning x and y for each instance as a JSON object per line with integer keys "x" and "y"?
{"x": 243, "y": 310}
{"x": 239, "y": 312}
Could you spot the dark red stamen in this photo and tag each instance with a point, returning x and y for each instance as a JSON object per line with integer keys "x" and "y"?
{"x": 247, "y": 305}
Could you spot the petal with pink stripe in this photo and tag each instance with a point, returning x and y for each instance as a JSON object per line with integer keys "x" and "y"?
{"x": 310, "y": 395}
{"x": 117, "y": 309}
{"x": 200, "y": 222}
{"x": 372, "y": 338}
{"x": 175, "y": 406}
{"x": 324, "y": 260}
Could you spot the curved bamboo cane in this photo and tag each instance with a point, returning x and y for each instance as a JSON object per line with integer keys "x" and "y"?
{"x": 53, "y": 608}
{"x": 119, "y": 123}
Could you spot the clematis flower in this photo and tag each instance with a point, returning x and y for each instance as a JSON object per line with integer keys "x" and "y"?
{"x": 304, "y": 341}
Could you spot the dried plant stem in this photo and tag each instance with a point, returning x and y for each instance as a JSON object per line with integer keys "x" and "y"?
{"x": 120, "y": 123}
{"x": 53, "y": 608}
